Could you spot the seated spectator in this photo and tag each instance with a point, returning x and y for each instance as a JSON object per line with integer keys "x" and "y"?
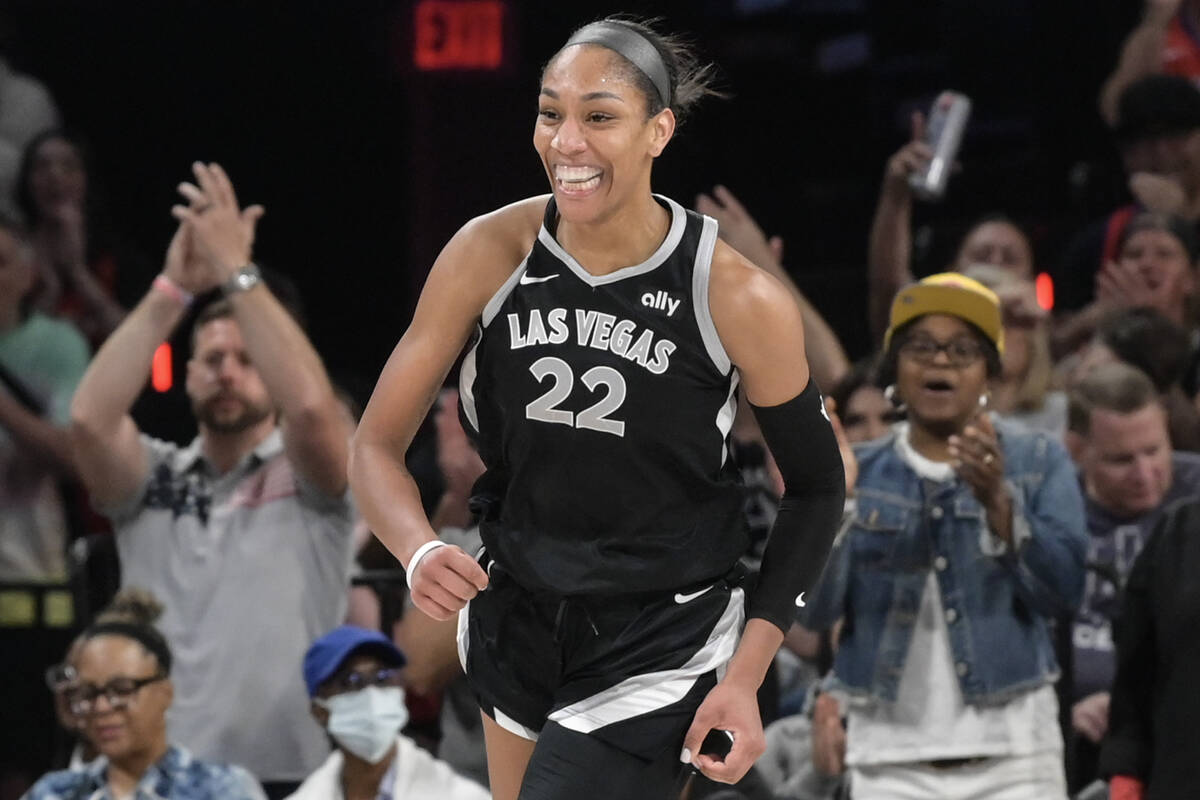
{"x": 1118, "y": 439}
{"x": 1167, "y": 41}
{"x": 120, "y": 696}
{"x": 245, "y": 534}
{"x": 995, "y": 239}
{"x": 77, "y": 268}
{"x": 353, "y": 678}
{"x": 1152, "y": 750}
{"x": 1146, "y": 340}
{"x": 864, "y": 410}
{"x": 131, "y": 605}
{"x": 1023, "y": 393}
{"x": 41, "y": 363}
{"x": 1155, "y": 267}
{"x": 966, "y": 540}
{"x": 1158, "y": 136}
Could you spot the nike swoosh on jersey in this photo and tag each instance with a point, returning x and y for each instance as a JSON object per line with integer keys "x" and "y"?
{"x": 528, "y": 279}
{"x": 687, "y": 598}
{"x": 800, "y": 601}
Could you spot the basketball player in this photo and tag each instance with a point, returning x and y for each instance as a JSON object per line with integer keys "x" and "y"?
{"x": 609, "y": 331}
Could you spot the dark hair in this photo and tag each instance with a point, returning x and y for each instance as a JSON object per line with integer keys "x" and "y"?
{"x": 1178, "y": 227}
{"x": 691, "y": 80}
{"x": 24, "y": 193}
{"x": 862, "y": 373}
{"x": 1146, "y": 339}
{"x": 132, "y": 604}
{"x": 220, "y": 308}
{"x": 144, "y": 634}
{"x": 888, "y": 364}
{"x": 998, "y": 218}
{"x": 1114, "y": 387}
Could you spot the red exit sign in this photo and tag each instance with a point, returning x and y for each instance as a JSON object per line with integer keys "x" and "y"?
{"x": 459, "y": 35}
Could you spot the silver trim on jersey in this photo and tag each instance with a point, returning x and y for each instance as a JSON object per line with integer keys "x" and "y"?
{"x": 725, "y": 415}
{"x": 654, "y": 690}
{"x": 493, "y": 306}
{"x": 700, "y": 274}
{"x": 466, "y": 381}
{"x": 674, "y": 234}
{"x": 468, "y": 372}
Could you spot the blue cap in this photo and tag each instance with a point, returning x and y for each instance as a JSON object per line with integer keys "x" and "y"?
{"x": 327, "y": 654}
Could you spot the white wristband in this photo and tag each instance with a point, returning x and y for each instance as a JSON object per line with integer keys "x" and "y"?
{"x": 422, "y": 551}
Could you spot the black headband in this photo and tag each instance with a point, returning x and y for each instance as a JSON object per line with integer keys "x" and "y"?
{"x": 635, "y": 48}
{"x": 144, "y": 635}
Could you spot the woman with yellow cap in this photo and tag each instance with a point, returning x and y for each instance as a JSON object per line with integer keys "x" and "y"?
{"x": 967, "y": 537}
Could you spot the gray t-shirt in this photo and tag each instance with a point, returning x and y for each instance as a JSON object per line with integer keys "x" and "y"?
{"x": 252, "y": 566}
{"x": 1113, "y": 545}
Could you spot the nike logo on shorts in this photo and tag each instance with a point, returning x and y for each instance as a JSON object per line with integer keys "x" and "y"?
{"x": 800, "y": 600}
{"x": 687, "y": 598}
{"x": 528, "y": 279}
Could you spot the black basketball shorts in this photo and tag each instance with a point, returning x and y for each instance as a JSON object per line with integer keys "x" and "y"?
{"x": 628, "y": 670}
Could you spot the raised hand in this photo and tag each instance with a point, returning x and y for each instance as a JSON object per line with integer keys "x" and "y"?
{"x": 909, "y": 159}
{"x": 221, "y": 231}
{"x": 979, "y": 460}
{"x": 1121, "y": 286}
{"x": 739, "y": 230}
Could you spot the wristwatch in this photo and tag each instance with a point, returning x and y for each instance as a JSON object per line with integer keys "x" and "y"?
{"x": 244, "y": 279}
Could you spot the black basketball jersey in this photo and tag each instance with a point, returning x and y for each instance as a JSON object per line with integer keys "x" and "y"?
{"x": 602, "y": 406}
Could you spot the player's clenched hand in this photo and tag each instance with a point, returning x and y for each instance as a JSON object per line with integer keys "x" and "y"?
{"x": 734, "y": 708}
{"x": 445, "y": 579}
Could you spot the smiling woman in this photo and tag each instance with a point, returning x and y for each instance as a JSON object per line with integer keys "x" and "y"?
{"x": 607, "y": 333}
{"x": 119, "y": 692}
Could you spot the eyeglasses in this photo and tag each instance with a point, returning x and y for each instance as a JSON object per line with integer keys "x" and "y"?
{"x": 60, "y": 677}
{"x": 81, "y": 699}
{"x": 960, "y": 351}
{"x": 353, "y": 681}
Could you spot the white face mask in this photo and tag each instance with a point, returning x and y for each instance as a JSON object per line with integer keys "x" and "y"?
{"x": 366, "y": 722}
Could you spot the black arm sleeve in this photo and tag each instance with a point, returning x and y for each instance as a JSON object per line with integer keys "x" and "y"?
{"x": 801, "y": 439}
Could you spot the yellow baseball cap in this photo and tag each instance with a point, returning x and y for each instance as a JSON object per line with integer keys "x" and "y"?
{"x": 949, "y": 293}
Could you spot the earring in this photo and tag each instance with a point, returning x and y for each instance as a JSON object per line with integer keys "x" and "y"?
{"x": 983, "y": 401}
{"x": 889, "y": 394}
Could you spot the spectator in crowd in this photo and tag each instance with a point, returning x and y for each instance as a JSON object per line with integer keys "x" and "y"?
{"x": 826, "y": 358}
{"x": 1166, "y": 41}
{"x": 1155, "y": 267}
{"x": 1147, "y": 340}
{"x": 994, "y": 239}
{"x": 1023, "y": 393}
{"x": 864, "y": 411}
{"x": 41, "y": 362}
{"x": 1158, "y": 135}
{"x": 26, "y": 109}
{"x": 1152, "y": 751}
{"x": 1118, "y": 439}
{"x": 120, "y": 694}
{"x": 246, "y": 532}
{"x": 966, "y": 539}
{"x": 353, "y": 677}
{"x": 77, "y": 268}
{"x": 132, "y": 605}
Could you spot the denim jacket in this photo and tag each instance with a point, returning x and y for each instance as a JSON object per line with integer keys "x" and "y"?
{"x": 997, "y": 599}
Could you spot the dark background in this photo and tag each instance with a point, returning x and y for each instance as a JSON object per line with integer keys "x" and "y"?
{"x": 366, "y": 165}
